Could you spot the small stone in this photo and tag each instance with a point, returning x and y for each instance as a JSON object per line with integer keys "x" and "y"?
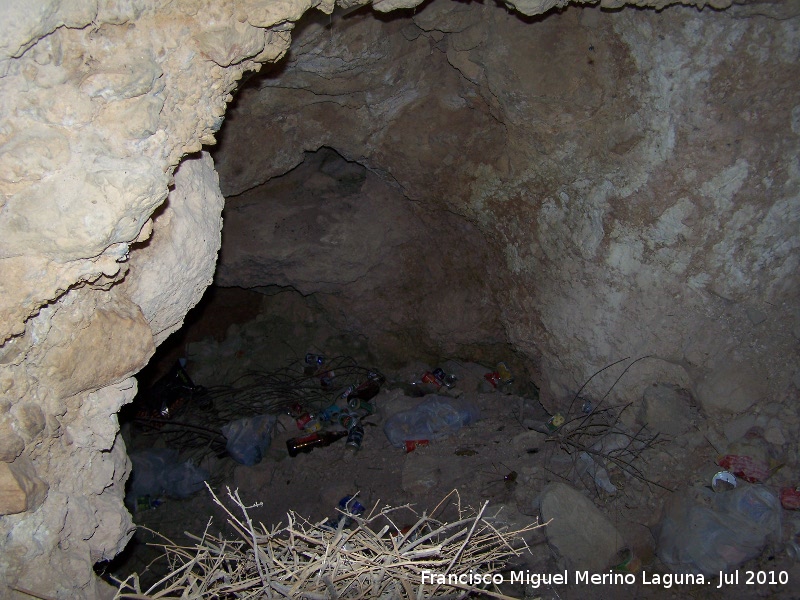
{"x": 665, "y": 408}
{"x": 775, "y": 436}
{"x": 736, "y": 428}
{"x": 582, "y": 535}
{"x": 732, "y": 388}
{"x": 756, "y": 316}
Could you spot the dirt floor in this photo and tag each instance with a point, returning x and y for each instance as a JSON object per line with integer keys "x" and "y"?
{"x": 507, "y": 458}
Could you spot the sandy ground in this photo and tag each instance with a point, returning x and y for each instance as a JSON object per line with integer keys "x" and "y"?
{"x": 501, "y": 459}
{"x": 497, "y": 459}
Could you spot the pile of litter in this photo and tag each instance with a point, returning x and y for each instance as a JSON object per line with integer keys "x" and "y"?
{"x": 196, "y": 421}
{"x": 361, "y": 556}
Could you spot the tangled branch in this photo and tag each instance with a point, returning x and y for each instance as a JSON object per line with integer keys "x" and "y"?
{"x": 374, "y": 558}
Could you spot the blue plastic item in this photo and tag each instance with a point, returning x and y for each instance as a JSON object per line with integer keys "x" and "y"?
{"x": 159, "y": 472}
{"x": 707, "y": 533}
{"x": 248, "y": 439}
{"x": 434, "y": 418}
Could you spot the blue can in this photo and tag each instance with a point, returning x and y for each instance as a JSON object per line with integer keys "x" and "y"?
{"x": 354, "y": 437}
{"x": 351, "y": 506}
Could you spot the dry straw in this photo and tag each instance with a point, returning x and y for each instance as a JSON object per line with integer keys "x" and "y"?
{"x": 372, "y": 557}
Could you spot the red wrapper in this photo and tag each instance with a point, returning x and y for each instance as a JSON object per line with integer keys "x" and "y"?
{"x": 412, "y": 444}
{"x": 749, "y": 469}
{"x": 790, "y": 498}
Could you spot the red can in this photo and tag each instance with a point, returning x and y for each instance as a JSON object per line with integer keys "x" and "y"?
{"x": 303, "y": 420}
{"x": 429, "y": 377}
{"x": 411, "y": 445}
{"x": 493, "y": 378}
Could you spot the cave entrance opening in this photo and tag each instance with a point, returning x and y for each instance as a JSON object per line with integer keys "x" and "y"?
{"x": 326, "y": 253}
{"x": 330, "y": 260}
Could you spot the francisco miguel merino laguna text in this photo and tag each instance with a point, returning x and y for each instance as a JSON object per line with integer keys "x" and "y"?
{"x": 665, "y": 580}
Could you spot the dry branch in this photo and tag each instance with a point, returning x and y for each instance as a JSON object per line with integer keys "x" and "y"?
{"x": 314, "y": 561}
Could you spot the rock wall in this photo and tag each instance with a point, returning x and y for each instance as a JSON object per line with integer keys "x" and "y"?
{"x": 638, "y": 172}
{"x": 101, "y": 101}
{"x": 631, "y": 177}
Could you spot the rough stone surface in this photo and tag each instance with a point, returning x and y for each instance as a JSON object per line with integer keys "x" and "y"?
{"x": 630, "y": 199}
{"x": 100, "y": 103}
{"x": 374, "y": 261}
{"x": 667, "y": 409}
{"x": 581, "y": 534}
{"x": 173, "y": 268}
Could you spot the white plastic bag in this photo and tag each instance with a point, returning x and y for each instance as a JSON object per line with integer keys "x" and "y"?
{"x": 434, "y": 418}
{"x": 703, "y": 532}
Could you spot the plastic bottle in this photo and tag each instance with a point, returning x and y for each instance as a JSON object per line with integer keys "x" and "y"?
{"x": 366, "y": 391}
{"x": 315, "y": 440}
{"x": 430, "y": 420}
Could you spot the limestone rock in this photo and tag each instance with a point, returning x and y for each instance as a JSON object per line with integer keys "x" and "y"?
{"x": 581, "y": 534}
{"x": 232, "y": 42}
{"x": 733, "y": 388}
{"x": 127, "y": 79}
{"x": 666, "y": 408}
{"x": 20, "y": 488}
{"x": 172, "y": 270}
{"x": 108, "y": 344}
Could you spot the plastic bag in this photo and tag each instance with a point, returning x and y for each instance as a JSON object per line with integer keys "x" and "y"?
{"x": 159, "y": 472}
{"x": 432, "y": 419}
{"x": 248, "y": 439}
{"x": 705, "y": 533}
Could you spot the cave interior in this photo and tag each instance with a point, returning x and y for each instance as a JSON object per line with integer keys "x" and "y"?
{"x": 583, "y": 225}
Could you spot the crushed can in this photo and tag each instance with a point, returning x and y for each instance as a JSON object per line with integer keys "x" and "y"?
{"x": 309, "y": 423}
{"x": 302, "y": 420}
{"x": 554, "y": 422}
{"x": 790, "y": 498}
{"x": 723, "y": 481}
{"x": 315, "y": 360}
{"x": 493, "y": 378}
{"x": 431, "y": 379}
{"x": 355, "y": 436}
{"x": 330, "y": 414}
{"x": 504, "y": 373}
{"x": 326, "y": 380}
{"x": 347, "y": 419}
{"x": 351, "y": 507}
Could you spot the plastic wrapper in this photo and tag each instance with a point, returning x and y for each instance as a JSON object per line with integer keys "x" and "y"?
{"x": 160, "y": 472}
{"x": 707, "y": 533}
{"x": 432, "y": 419}
{"x": 248, "y": 439}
